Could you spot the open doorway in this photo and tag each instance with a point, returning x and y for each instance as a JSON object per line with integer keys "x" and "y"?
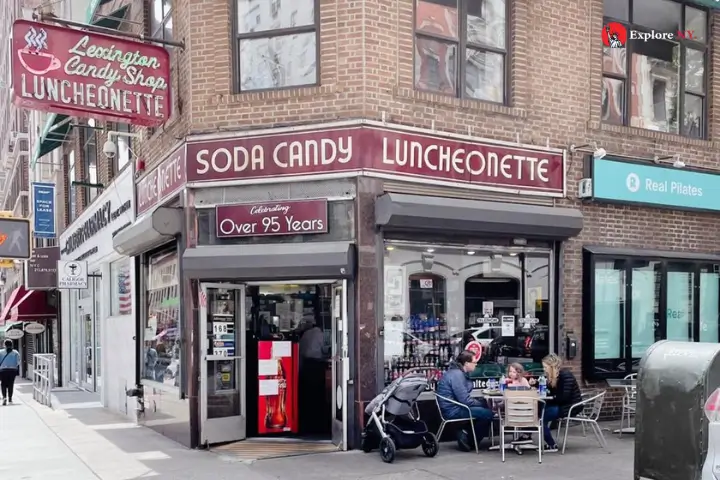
{"x": 290, "y": 333}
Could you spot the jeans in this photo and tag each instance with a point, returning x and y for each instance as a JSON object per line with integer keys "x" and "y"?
{"x": 482, "y": 419}
{"x": 552, "y": 413}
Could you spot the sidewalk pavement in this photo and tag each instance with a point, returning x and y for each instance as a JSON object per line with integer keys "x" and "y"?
{"x": 82, "y": 441}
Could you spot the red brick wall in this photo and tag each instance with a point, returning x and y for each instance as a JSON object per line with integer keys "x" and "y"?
{"x": 366, "y": 71}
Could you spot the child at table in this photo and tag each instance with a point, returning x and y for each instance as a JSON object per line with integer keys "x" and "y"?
{"x": 516, "y": 376}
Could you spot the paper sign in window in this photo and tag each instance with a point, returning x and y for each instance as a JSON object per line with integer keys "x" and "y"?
{"x": 267, "y": 367}
{"x": 268, "y": 387}
{"x": 281, "y": 349}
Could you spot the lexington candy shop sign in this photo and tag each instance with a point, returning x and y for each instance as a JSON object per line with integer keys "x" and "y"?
{"x": 79, "y": 73}
{"x": 163, "y": 181}
{"x": 384, "y": 152}
{"x": 274, "y": 218}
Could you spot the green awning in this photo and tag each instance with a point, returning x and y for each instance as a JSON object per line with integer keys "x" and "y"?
{"x": 57, "y": 126}
{"x": 707, "y": 3}
{"x": 112, "y": 20}
{"x": 54, "y": 134}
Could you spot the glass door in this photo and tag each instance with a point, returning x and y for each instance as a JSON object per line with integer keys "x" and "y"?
{"x": 680, "y": 302}
{"x": 222, "y": 369}
{"x": 340, "y": 363}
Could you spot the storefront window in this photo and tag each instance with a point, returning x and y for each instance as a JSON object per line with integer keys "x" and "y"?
{"x": 120, "y": 288}
{"x": 609, "y": 307}
{"x": 439, "y": 300}
{"x": 645, "y": 289}
{"x": 669, "y": 299}
{"x": 709, "y": 305}
{"x": 162, "y": 336}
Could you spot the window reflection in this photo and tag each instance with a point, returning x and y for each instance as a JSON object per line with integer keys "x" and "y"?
{"x": 162, "y": 335}
{"x": 439, "y": 299}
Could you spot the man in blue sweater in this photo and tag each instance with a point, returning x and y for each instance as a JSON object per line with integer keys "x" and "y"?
{"x": 456, "y": 385}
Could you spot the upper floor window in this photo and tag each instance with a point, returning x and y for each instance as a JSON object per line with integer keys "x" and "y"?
{"x": 161, "y": 25}
{"x": 658, "y": 83}
{"x": 90, "y": 163}
{"x": 277, "y": 44}
{"x": 461, "y": 48}
{"x": 71, "y": 187}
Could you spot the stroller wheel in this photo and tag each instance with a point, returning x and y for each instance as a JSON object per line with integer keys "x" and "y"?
{"x": 387, "y": 450}
{"x": 430, "y": 445}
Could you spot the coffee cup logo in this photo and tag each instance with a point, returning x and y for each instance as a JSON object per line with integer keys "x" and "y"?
{"x": 32, "y": 56}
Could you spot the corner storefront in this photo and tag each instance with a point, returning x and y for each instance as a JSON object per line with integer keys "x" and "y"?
{"x": 669, "y": 289}
{"x": 99, "y": 320}
{"x": 402, "y": 245}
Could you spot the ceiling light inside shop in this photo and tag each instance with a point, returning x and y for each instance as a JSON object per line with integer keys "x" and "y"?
{"x": 471, "y": 252}
{"x": 513, "y": 254}
{"x": 430, "y": 250}
{"x": 389, "y": 248}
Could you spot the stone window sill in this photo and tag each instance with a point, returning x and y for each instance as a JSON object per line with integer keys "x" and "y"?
{"x": 595, "y": 126}
{"x": 471, "y": 105}
{"x": 240, "y": 99}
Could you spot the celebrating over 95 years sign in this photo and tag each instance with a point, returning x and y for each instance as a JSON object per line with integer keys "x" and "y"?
{"x": 86, "y": 74}
{"x": 274, "y": 218}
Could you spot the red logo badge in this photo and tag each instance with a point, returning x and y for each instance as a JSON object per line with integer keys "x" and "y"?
{"x": 614, "y": 35}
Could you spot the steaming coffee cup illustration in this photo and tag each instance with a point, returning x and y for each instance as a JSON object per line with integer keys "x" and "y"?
{"x": 33, "y": 58}
{"x": 38, "y": 63}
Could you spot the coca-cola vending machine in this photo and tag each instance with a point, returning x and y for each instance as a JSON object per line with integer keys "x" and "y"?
{"x": 278, "y": 371}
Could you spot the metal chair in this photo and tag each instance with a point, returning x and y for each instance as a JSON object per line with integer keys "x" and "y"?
{"x": 629, "y": 402}
{"x": 522, "y": 415}
{"x": 445, "y": 421}
{"x": 587, "y": 412}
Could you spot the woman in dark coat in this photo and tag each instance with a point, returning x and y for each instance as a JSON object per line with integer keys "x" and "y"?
{"x": 565, "y": 392}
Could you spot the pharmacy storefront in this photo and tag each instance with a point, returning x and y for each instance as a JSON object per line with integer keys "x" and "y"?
{"x": 95, "y": 316}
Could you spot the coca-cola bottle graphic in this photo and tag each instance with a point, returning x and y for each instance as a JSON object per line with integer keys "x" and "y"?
{"x": 275, "y": 416}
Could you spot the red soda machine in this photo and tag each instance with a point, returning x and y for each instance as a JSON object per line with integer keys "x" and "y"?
{"x": 278, "y": 378}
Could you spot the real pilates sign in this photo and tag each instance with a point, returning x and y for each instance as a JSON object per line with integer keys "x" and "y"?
{"x": 84, "y": 74}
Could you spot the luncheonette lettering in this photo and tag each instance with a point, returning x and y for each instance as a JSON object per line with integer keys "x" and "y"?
{"x": 439, "y": 158}
{"x": 119, "y": 72}
{"x": 285, "y": 155}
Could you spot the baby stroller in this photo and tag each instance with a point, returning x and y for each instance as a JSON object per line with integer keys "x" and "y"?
{"x": 395, "y": 421}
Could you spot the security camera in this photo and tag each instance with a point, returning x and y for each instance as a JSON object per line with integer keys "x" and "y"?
{"x": 110, "y": 149}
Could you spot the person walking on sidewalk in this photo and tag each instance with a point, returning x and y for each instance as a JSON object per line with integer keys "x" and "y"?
{"x": 9, "y": 369}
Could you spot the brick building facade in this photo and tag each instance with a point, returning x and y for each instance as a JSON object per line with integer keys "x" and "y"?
{"x": 548, "y": 94}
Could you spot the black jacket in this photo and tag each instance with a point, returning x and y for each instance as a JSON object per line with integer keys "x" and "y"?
{"x": 566, "y": 393}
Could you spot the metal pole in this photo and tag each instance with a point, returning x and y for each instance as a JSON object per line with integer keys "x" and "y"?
{"x": 108, "y": 31}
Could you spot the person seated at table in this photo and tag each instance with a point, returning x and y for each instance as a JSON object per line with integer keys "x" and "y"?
{"x": 516, "y": 376}
{"x": 564, "y": 392}
{"x": 456, "y": 385}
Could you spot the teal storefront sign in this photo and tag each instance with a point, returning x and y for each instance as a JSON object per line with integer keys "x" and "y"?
{"x": 628, "y": 182}
{"x": 707, "y": 3}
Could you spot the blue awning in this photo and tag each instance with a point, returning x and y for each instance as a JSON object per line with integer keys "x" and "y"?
{"x": 707, "y": 3}
{"x": 57, "y": 126}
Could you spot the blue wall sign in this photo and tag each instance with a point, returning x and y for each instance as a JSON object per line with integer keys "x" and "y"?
{"x": 627, "y": 182}
{"x": 44, "y": 210}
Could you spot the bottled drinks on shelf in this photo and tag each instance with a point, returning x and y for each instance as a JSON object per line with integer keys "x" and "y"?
{"x": 427, "y": 348}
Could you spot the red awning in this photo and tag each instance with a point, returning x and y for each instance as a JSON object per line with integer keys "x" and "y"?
{"x": 32, "y": 307}
{"x": 15, "y": 296}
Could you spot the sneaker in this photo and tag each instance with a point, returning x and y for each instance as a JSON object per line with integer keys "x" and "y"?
{"x": 464, "y": 443}
{"x": 4, "y": 401}
{"x": 523, "y": 439}
{"x": 550, "y": 449}
{"x": 10, "y": 400}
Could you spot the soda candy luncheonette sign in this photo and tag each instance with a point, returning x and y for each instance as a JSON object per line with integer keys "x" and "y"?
{"x": 160, "y": 183}
{"x": 75, "y": 72}
{"x": 273, "y": 218}
{"x": 392, "y": 151}
{"x": 421, "y": 156}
